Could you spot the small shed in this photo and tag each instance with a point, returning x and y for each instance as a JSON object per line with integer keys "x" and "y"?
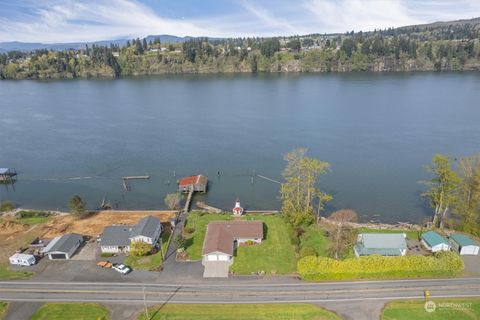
{"x": 464, "y": 244}
{"x": 63, "y": 247}
{"x": 435, "y": 242}
{"x": 196, "y": 183}
{"x": 22, "y": 259}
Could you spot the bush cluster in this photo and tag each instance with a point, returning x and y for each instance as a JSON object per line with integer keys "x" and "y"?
{"x": 376, "y": 266}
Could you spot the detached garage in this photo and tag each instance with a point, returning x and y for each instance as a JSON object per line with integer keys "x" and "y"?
{"x": 64, "y": 247}
{"x": 464, "y": 245}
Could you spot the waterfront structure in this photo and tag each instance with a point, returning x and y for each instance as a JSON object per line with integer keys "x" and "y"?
{"x": 7, "y": 175}
{"x": 196, "y": 183}
{"x": 464, "y": 244}
{"x": 385, "y": 244}
{"x": 237, "y": 210}
{"x": 117, "y": 239}
{"x": 435, "y": 242}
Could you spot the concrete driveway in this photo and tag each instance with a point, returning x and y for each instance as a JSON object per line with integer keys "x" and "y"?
{"x": 216, "y": 269}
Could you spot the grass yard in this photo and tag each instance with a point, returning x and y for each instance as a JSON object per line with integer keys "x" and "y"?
{"x": 77, "y": 311}
{"x": 275, "y": 255}
{"x": 239, "y": 312}
{"x": 315, "y": 238}
{"x": 446, "y": 309}
{"x": 198, "y": 222}
{"x": 150, "y": 262}
{"x": 7, "y": 274}
{"x": 411, "y": 234}
{"x": 3, "y": 309}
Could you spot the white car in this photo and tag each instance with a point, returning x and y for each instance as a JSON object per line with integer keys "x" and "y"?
{"x": 123, "y": 269}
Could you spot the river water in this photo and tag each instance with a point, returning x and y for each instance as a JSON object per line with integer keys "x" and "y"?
{"x": 377, "y": 131}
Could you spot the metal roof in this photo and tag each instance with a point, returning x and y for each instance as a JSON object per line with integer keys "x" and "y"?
{"x": 146, "y": 227}
{"x": 66, "y": 242}
{"x": 4, "y": 170}
{"x": 433, "y": 239}
{"x": 463, "y": 240}
{"x": 362, "y": 251}
{"x": 116, "y": 236}
{"x": 383, "y": 240}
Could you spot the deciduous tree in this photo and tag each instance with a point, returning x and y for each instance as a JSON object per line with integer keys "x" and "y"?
{"x": 340, "y": 230}
{"x": 77, "y": 206}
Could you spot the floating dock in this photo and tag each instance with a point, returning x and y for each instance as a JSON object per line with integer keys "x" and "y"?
{"x": 204, "y": 206}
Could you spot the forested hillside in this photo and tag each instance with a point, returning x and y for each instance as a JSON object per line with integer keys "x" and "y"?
{"x": 436, "y": 47}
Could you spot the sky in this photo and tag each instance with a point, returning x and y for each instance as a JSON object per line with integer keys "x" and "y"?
{"x": 50, "y": 21}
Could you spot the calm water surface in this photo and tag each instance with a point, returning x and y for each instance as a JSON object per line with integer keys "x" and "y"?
{"x": 377, "y": 131}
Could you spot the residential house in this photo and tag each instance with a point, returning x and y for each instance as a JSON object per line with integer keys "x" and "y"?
{"x": 435, "y": 242}
{"x": 464, "y": 244}
{"x": 385, "y": 244}
{"x": 116, "y": 239}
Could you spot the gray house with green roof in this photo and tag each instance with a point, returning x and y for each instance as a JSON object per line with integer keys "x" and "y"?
{"x": 435, "y": 242}
{"x": 464, "y": 244}
{"x": 385, "y": 244}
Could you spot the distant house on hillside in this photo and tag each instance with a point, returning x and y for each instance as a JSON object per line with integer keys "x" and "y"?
{"x": 435, "y": 242}
{"x": 464, "y": 244}
{"x": 385, "y": 244}
{"x": 196, "y": 183}
{"x": 116, "y": 239}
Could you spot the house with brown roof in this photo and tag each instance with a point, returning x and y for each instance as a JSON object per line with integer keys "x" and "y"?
{"x": 222, "y": 237}
{"x": 196, "y": 183}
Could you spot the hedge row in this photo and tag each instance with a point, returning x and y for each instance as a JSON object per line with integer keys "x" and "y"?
{"x": 376, "y": 266}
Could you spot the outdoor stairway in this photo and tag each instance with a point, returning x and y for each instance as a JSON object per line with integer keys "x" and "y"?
{"x": 189, "y": 200}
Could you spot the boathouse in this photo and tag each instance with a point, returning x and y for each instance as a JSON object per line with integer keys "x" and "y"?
{"x": 7, "y": 175}
{"x": 196, "y": 183}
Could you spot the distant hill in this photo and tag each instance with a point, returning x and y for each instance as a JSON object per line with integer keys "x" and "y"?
{"x": 30, "y": 46}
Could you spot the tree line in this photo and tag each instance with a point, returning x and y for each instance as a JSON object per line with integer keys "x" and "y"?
{"x": 443, "y": 47}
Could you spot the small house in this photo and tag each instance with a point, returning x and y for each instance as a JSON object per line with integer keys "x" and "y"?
{"x": 21, "y": 259}
{"x": 116, "y": 239}
{"x": 63, "y": 247}
{"x": 196, "y": 183}
{"x": 435, "y": 242}
{"x": 385, "y": 244}
{"x": 222, "y": 237}
{"x": 464, "y": 244}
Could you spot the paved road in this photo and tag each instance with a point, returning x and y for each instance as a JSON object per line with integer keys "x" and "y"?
{"x": 358, "y": 291}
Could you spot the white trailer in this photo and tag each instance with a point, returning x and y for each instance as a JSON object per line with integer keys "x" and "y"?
{"x": 21, "y": 259}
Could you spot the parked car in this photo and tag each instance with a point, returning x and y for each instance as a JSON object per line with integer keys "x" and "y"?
{"x": 105, "y": 264}
{"x": 121, "y": 268}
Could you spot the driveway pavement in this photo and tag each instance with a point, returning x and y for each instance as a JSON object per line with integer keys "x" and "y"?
{"x": 472, "y": 265}
{"x": 216, "y": 269}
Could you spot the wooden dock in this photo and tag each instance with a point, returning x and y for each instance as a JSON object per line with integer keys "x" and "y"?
{"x": 8, "y": 175}
{"x": 204, "y": 206}
{"x": 188, "y": 201}
{"x": 125, "y": 180}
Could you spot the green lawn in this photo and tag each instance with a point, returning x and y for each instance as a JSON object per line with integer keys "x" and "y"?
{"x": 275, "y": 255}
{"x": 411, "y": 234}
{"x": 77, "y": 311}
{"x": 446, "y": 309}
{"x": 239, "y": 312}
{"x": 3, "y": 308}
{"x": 150, "y": 262}
{"x": 199, "y": 222}
{"x": 32, "y": 217}
{"x": 7, "y": 274}
{"x": 315, "y": 237}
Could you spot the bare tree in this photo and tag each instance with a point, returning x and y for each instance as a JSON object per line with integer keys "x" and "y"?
{"x": 341, "y": 236}
{"x": 172, "y": 200}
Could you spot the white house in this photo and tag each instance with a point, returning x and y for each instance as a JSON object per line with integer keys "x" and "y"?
{"x": 464, "y": 245}
{"x": 21, "y": 259}
{"x": 222, "y": 237}
{"x": 119, "y": 238}
{"x": 63, "y": 247}
{"x": 435, "y": 242}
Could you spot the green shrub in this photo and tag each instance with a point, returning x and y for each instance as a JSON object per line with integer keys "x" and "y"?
{"x": 107, "y": 255}
{"x": 189, "y": 230}
{"x": 375, "y": 266}
{"x": 139, "y": 248}
{"x": 32, "y": 214}
{"x": 307, "y": 252}
{"x": 6, "y": 206}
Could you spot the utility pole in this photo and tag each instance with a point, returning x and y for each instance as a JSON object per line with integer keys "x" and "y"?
{"x": 145, "y": 303}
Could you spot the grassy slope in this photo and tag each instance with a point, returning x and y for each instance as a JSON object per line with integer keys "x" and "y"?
{"x": 240, "y": 312}
{"x": 150, "y": 262}
{"x": 7, "y": 274}
{"x": 275, "y": 254}
{"x": 77, "y": 311}
{"x": 199, "y": 222}
{"x": 3, "y": 308}
{"x": 414, "y": 309}
{"x": 315, "y": 238}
